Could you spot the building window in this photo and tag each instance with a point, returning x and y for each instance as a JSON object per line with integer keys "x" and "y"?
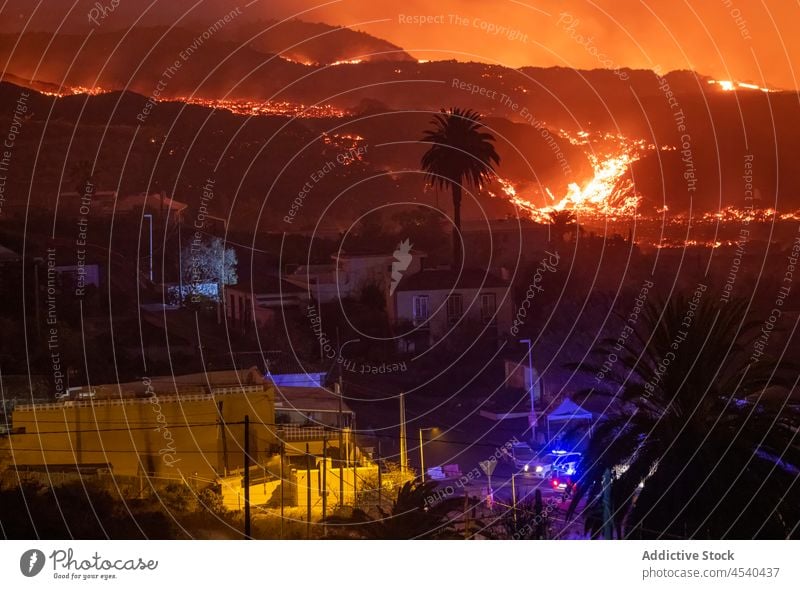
{"x": 455, "y": 309}
{"x": 420, "y": 309}
{"x": 489, "y": 308}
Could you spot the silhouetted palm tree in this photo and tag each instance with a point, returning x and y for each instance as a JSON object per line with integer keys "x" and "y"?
{"x": 82, "y": 175}
{"x": 417, "y": 513}
{"x": 461, "y": 154}
{"x": 561, "y": 221}
{"x": 687, "y": 421}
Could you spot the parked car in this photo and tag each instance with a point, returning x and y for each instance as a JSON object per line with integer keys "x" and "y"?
{"x": 523, "y": 456}
{"x": 558, "y": 462}
{"x": 560, "y": 481}
{"x": 567, "y": 463}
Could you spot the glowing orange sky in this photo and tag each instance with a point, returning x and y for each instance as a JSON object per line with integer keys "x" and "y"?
{"x": 675, "y": 34}
{"x": 701, "y": 35}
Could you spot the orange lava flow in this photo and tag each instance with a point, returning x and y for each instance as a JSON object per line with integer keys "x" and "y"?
{"x": 610, "y": 192}
{"x": 238, "y": 106}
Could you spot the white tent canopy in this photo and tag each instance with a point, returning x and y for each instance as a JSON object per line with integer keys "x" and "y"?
{"x": 567, "y": 411}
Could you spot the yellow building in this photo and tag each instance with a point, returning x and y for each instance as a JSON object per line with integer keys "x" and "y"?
{"x": 176, "y": 428}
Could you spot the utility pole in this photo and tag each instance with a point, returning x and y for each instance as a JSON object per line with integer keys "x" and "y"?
{"x": 380, "y": 481}
{"x": 340, "y": 359}
{"x": 308, "y": 492}
{"x": 421, "y": 457}
{"x": 283, "y": 484}
{"x": 403, "y": 441}
{"x": 338, "y": 390}
{"x": 514, "y": 498}
{"x": 180, "y": 264}
{"x": 355, "y": 461}
{"x": 319, "y": 315}
{"x": 247, "y": 477}
{"x": 78, "y": 434}
{"x": 222, "y": 464}
{"x": 324, "y": 479}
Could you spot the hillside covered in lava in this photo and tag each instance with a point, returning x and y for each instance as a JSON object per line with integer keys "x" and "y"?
{"x": 607, "y": 144}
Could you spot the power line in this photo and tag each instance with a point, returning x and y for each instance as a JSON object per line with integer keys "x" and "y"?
{"x": 277, "y": 426}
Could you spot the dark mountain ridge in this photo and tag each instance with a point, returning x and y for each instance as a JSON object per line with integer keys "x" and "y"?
{"x": 529, "y": 109}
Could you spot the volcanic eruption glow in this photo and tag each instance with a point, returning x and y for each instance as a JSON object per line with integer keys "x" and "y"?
{"x": 238, "y": 106}
{"x": 74, "y": 90}
{"x": 731, "y": 85}
{"x": 248, "y": 107}
{"x": 609, "y": 193}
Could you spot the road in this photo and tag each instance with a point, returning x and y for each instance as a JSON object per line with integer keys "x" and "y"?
{"x": 555, "y": 503}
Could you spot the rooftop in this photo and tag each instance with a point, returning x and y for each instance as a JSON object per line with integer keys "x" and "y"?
{"x": 133, "y": 202}
{"x": 262, "y": 283}
{"x": 450, "y": 280}
{"x": 366, "y": 253}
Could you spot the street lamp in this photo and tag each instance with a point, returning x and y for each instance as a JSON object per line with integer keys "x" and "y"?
{"x": 532, "y": 414}
{"x": 340, "y": 417}
{"x": 421, "y": 449}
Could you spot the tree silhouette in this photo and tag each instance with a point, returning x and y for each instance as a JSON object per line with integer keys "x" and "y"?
{"x": 561, "y": 221}
{"x": 694, "y": 450}
{"x": 461, "y": 154}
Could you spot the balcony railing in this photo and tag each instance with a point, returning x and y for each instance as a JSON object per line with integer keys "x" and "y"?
{"x": 290, "y": 432}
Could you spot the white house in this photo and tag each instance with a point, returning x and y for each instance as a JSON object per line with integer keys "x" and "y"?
{"x": 430, "y": 303}
{"x": 350, "y": 272}
{"x": 257, "y": 303}
{"x": 157, "y": 204}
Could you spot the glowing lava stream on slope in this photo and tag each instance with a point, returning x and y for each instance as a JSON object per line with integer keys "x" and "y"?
{"x": 248, "y": 107}
{"x": 238, "y": 106}
{"x": 74, "y": 90}
{"x": 732, "y": 85}
{"x": 609, "y": 193}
